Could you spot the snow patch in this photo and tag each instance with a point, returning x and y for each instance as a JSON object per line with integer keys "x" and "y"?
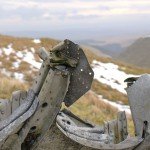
{"x": 18, "y": 76}
{"x": 29, "y": 58}
{"x": 1, "y": 51}
{"x": 109, "y": 74}
{"x": 16, "y": 64}
{"x": 37, "y": 41}
{"x": 32, "y": 49}
{"x": 5, "y": 72}
{"x": 19, "y": 54}
{"x": 8, "y": 50}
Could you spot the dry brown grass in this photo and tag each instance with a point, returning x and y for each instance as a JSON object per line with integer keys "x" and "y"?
{"x": 89, "y": 107}
{"x": 22, "y": 43}
{"x": 18, "y": 43}
{"x": 109, "y": 93}
{"x": 8, "y": 85}
{"x": 48, "y": 43}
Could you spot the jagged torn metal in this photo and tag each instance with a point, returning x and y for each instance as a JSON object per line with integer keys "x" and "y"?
{"x": 139, "y": 100}
{"x": 81, "y": 75}
{"x": 92, "y": 137}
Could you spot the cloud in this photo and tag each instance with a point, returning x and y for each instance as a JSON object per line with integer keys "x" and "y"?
{"x": 69, "y": 14}
{"x": 75, "y": 7}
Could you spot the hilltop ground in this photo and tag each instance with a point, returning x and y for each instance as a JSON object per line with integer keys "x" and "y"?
{"x": 16, "y": 70}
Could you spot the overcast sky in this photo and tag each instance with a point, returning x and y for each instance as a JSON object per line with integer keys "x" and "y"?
{"x": 75, "y": 19}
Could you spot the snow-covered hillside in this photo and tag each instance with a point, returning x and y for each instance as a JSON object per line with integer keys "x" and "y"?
{"x": 15, "y": 58}
{"x": 109, "y": 73}
{"x": 24, "y": 63}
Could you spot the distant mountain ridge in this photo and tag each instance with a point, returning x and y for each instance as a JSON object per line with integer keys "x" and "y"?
{"x": 113, "y": 49}
{"x": 137, "y": 53}
{"x": 109, "y": 49}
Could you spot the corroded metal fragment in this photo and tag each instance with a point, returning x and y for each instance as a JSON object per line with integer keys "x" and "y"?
{"x": 97, "y": 138}
{"x": 139, "y": 100}
{"x": 30, "y": 117}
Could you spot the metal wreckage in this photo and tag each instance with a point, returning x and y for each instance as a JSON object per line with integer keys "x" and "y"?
{"x": 65, "y": 75}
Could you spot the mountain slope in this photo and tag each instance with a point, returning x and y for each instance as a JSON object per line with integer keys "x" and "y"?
{"x": 109, "y": 49}
{"x": 112, "y": 50}
{"x": 138, "y": 53}
{"x": 19, "y": 65}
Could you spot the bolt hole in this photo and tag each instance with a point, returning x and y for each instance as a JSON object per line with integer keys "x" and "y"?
{"x": 146, "y": 123}
{"x": 60, "y": 114}
{"x": 68, "y": 122}
{"x": 33, "y": 128}
{"x": 44, "y": 105}
{"x": 145, "y": 128}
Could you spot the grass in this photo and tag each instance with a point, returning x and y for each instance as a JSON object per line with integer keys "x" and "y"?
{"x": 88, "y": 107}
{"x": 109, "y": 93}
{"x": 8, "y": 85}
{"x": 26, "y": 43}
